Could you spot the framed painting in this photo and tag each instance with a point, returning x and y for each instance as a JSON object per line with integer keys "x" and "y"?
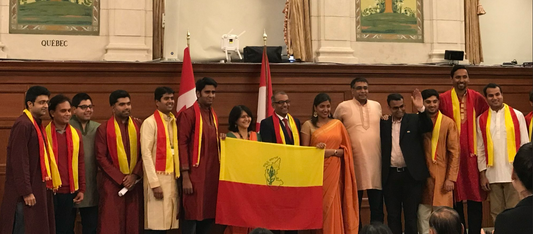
{"x": 389, "y": 20}
{"x": 59, "y": 17}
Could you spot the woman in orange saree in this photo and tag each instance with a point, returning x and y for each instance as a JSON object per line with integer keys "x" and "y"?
{"x": 340, "y": 203}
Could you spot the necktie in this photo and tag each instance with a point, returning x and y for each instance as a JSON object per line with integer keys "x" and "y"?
{"x": 286, "y": 123}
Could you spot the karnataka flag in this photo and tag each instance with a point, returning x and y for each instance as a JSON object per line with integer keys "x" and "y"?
{"x": 273, "y": 186}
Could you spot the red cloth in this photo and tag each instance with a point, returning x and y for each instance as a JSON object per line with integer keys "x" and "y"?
{"x": 118, "y": 215}
{"x": 201, "y": 204}
{"x": 23, "y": 177}
{"x": 528, "y": 119}
{"x": 63, "y": 164}
{"x": 467, "y": 186}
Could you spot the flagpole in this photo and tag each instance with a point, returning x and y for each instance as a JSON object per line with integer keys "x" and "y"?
{"x": 188, "y": 38}
{"x": 266, "y": 71}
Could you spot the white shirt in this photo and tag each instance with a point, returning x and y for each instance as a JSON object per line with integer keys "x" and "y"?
{"x": 502, "y": 169}
{"x": 288, "y": 122}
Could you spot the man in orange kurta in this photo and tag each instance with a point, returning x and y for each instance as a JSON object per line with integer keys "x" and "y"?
{"x": 441, "y": 149}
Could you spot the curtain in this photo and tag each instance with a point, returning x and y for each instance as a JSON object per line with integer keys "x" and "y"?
{"x": 474, "y": 50}
{"x": 158, "y": 30}
{"x": 297, "y": 29}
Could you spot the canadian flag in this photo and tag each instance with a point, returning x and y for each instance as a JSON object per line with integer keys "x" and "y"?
{"x": 264, "y": 102}
{"x": 187, "y": 94}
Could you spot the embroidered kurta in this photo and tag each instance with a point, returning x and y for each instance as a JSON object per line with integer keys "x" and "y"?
{"x": 362, "y": 124}
{"x": 201, "y": 204}
{"x": 23, "y": 177}
{"x": 158, "y": 214}
{"x": 339, "y": 203}
{"x": 467, "y": 186}
{"x": 90, "y": 197}
{"x": 502, "y": 169}
{"x": 118, "y": 215}
{"x": 446, "y": 166}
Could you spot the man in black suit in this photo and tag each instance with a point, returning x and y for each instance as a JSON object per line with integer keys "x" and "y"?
{"x": 404, "y": 169}
{"x": 281, "y": 104}
{"x": 517, "y": 220}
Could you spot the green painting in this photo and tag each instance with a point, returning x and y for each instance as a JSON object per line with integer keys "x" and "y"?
{"x": 389, "y": 20}
{"x": 60, "y": 17}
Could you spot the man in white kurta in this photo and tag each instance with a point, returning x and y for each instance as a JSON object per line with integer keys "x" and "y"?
{"x": 161, "y": 203}
{"x": 496, "y": 179}
{"x": 361, "y": 117}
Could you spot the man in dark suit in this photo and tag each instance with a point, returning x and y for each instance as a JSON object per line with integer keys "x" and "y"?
{"x": 281, "y": 104}
{"x": 404, "y": 169}
{"x": 281, "y": 119}
{"x": 517, "y": 220}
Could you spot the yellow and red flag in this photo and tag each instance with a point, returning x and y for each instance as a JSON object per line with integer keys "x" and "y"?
{"x": 267, "y": 185}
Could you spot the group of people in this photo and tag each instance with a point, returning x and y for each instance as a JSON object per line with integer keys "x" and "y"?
{"x": 460, "y": 146}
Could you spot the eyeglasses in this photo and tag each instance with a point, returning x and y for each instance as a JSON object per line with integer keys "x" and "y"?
{"x": 283, "y": 102}
{"x": 84, "y": 107}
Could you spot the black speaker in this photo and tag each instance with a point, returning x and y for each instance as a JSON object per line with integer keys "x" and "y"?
{"x": 454, "y": 55}
{"x": 254, "y": 54}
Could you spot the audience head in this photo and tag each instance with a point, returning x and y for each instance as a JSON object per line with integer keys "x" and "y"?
{"x": 164, "y": 99}
{"x": 396, "y": 106}
{"x": 494, "y": 95}
{"x": 321, "y": 108}
{"x": 460, "y": 78}
{"x": 241, "y": 117}
{"x": 261, "y": 231}
{"x": 59, "y": 109}
{"x": 359, "y": 87}
{"x": 522, "y": 176}
{"x": 281, "y": 103}
{"x": 82, "y": 107}
{"x": 445, "y": 220}
{"x": 431, "y": 101}
{"x": 375, "y": 228}
{"x": 120, "y": 102}
{"x": 205, "y": 91}
{"x": 36, "y": 101}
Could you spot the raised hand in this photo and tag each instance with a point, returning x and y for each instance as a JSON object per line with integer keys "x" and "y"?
{"x": 418, "y": 102}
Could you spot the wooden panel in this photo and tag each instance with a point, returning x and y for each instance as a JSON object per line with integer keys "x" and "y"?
{"x": 238, "y": 84}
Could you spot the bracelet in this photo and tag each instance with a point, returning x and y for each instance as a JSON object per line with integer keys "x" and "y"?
{"x": 335, "y": 153}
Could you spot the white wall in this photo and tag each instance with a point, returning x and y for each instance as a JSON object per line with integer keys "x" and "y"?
{"x": 207, "y": 20}
{"x": 506, "y": 31}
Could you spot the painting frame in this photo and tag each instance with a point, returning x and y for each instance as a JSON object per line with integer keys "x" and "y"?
{"x": 417, "y": 37}
{"x": 93, "y": 29}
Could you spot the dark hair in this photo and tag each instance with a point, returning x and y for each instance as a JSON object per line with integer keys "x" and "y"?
{"x": 261, "y": 231}
{"x": 235, "y": 114}
{"x": 201, "y": 83}
{"x": 273, "y": 98}
{"x": 34, "y": 92}
{"x": 320, "y": 98}
{"x": 445, "y": 220}
{"x": 523, "y": 165}
{"x": 394, "y": 97}
{"x": 375, "y": 228}
{"x": 427, "y": 93}
{"x": 531, "y": 96}
{"x": 491, "y": 86}
{"x": 76, "y": 100}
{"x": 115, "y": 95}
{"x": 358, "y": 79}
{"x": 455, "y": 68}
{"x": 56, "y": 100}
{"x": 160, "y": 91}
